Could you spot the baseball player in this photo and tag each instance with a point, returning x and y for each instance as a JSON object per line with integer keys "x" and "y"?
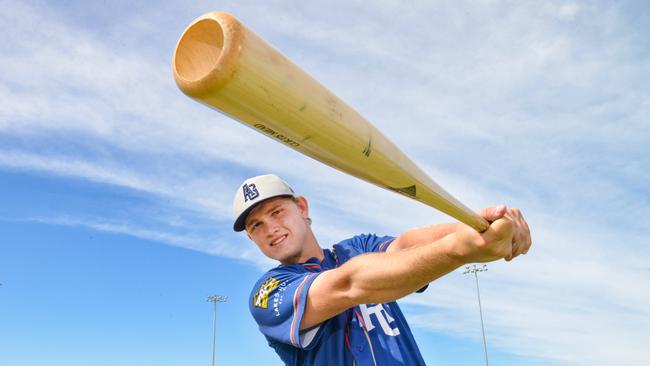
{"x": 337, "y": 306}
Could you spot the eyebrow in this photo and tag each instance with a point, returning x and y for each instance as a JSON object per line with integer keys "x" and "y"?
{"x": 273, "y": 207}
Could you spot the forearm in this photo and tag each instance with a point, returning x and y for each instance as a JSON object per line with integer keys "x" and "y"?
{"x": 383, "y": 277}
{"x": 422, "y": 235}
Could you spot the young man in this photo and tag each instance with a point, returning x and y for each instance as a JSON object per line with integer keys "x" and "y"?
{"x": 337, "y": 306}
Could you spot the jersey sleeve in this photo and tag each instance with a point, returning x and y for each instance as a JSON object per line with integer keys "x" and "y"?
{"x": 277, "y": 303}
{"x": 370, "y": 243}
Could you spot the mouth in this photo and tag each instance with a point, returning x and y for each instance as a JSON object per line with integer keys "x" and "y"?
{"x": 277, "y": 241}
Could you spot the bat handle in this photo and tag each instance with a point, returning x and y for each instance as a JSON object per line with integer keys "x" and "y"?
{"x": 475, "y": 221}
{"x": 482, "y": 226}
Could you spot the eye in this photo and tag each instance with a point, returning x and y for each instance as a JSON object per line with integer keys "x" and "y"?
{"x": 252, "y": 227}
{"x": 276, "y": 212}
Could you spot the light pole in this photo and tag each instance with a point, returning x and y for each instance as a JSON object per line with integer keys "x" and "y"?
{"x": 215, "y": 299}
{"x": 476, "y": 269}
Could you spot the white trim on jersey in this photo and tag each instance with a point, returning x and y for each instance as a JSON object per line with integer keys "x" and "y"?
{"x": 307, "y": 336}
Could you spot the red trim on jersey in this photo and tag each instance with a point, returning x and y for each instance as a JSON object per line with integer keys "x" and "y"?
{"x": 296, "y": 306}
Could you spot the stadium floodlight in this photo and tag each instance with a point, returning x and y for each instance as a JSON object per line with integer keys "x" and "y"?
{"x": 478, "y": 269}
{"x": 215, "y": 299}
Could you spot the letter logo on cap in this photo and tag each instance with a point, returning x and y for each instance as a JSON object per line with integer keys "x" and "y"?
{"x": 250, "y": 192}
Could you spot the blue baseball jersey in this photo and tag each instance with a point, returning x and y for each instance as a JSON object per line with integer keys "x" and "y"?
{"x": 368, "y": 334}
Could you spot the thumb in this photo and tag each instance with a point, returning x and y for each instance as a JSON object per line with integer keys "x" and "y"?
{"x": 492, "y": 214}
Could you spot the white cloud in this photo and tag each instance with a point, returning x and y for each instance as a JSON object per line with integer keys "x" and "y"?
{"x": 214, "y": 245}
{"x": 568, "y": 10}
{"x": 574, "y": 291}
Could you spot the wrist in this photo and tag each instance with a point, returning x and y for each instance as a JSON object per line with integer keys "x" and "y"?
{"x": 452, "y": 251}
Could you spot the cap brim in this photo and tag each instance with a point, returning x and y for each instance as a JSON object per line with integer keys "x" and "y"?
{"x": 240, "y": 223}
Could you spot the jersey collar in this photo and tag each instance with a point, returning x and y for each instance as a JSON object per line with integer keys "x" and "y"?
{"x": 313, "y": 264}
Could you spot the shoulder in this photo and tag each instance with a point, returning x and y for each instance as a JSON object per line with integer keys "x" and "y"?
{"x": 364, "y": 243}
{"x": 273, "y": 277}
{"x": 365, "y": 238}
{"x": 360, "y": 238}
{"x": 279, "y": 279}
{"x": 284, "y": 271}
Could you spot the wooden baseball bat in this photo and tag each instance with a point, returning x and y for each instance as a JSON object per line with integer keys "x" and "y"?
{"x": 224, "y": 65}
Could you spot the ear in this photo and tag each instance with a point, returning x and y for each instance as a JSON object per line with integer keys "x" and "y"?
{"x": 303, "y": 206}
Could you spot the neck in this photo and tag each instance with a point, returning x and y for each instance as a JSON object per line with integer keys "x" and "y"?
{"x": 311, "y": 249}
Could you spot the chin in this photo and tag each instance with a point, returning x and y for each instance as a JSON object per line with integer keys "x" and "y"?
{"x": 288, "y": 258}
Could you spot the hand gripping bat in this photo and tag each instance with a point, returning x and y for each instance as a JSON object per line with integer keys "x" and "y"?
{"x": 222, "y": 64}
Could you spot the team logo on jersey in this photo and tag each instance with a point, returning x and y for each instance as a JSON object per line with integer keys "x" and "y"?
{"x": 250, "y": 192}
{"x": 261, "y": 297}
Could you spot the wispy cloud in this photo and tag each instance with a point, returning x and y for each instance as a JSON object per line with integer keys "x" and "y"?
{"x": 542, "y": 106}
{"x": 211, "y": 244}
{"x": 571, "y": 292}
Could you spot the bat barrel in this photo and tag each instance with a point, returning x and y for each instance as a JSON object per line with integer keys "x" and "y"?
{"x": 224, "y": 65}
{"x": 206, "y": 53}
{"x": 199, "y": 52}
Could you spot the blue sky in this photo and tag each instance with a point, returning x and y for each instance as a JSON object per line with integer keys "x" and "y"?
{"x": 116, "y": 189}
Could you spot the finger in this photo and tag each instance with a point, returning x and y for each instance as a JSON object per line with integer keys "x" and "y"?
{"x": 510, "y": 257}
{"x": 503, "y": 228}
{"x": 501, "y": 234}
{"x": 521, "y": 239}
{"x": 517, "y": 249}
{"x": 492, "y": 214}
{"x": 514, "y": 214}
{"x": 525, "y": 234}
{"x": 530, "y": 239}
{"x": 514, "y": 251}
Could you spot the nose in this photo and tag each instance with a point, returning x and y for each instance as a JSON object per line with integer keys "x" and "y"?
{"x": 272, "y": 227}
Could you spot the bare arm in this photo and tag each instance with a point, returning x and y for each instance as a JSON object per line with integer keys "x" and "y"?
{"x": 422, "y": 235}
{"x": 383, "y": 277}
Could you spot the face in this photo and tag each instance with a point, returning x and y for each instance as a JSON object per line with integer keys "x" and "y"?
{"x": 279, "y": 228}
